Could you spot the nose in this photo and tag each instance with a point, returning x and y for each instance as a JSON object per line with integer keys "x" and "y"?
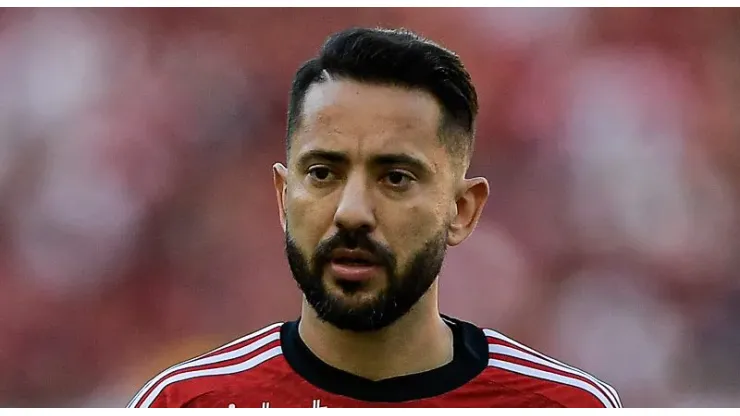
{"x": 355, "y": 210}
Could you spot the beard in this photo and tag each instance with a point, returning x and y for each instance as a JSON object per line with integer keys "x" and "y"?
{"x": 401, "y": 293}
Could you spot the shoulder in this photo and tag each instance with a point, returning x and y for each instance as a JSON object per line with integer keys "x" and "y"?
{"x": 179, "y": 384}
{"x": 538, "y": 374}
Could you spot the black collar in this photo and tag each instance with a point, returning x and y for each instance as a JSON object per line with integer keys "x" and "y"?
{"x": 470, "y": 359}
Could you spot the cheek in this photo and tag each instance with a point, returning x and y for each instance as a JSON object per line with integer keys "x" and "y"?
{"x": 408, "y": 230}
{"x": 309, "y": 219}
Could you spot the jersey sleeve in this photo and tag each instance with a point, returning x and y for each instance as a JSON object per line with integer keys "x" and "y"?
{"x": 183, "y": 395}
{"x": 562, "y": 383}
{"x": 152, "y": 396}
{"x": 168, "y": 391}
{"x": 605, "y": 396}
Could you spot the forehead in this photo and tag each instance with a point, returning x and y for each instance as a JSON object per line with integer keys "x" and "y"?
{"x": 363, "y": 119}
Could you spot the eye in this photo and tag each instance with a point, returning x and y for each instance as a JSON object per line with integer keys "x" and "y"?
{"x": 320, "y": 173}
{"x": 398, "y": 179}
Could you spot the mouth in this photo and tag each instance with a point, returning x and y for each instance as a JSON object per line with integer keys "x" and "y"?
{"x": 353, "y": 262}
{"x": 353, "y": 265}
{"x": 353, "y": 258}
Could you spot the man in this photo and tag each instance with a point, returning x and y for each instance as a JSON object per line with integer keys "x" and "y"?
{"x": 380, "y": 136}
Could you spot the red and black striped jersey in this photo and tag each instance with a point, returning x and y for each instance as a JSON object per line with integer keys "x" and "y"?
{"x": 274, "y": 368}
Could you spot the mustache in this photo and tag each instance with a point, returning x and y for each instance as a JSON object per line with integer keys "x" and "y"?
{"x": 353, "y": 239}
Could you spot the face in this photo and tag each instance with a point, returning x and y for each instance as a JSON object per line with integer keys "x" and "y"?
{"x": 369, "y": 201}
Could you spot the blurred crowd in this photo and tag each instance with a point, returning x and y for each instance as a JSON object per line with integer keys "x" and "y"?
{"x": 138, "y": 223}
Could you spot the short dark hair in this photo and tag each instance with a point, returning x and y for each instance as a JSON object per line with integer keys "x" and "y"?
{"x": 395, "y": 57}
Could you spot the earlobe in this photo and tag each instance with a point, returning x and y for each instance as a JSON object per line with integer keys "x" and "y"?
{"x": 280, "y": 176}
{"x": 469, "y": 205}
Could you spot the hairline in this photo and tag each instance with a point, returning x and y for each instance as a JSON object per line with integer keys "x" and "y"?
{"x": 445, "y": 129}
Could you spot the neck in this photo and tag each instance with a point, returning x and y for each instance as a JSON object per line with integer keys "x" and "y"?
{"x": 417, "y": 342}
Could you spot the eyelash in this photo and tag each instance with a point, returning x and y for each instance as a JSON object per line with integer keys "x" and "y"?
{"x": 314, "y": 169}
{"x": 312, "y": 173}
{"x": 405, "y": 176}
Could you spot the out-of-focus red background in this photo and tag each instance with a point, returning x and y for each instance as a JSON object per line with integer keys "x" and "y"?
{"x": 138, "y": 225}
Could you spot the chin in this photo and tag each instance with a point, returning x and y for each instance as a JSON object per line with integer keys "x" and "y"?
{"x": 354, "y": 293}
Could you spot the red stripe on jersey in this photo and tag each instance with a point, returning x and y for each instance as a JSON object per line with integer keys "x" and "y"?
{"x": 518, "y": 385}
{"x": 241, "y": 342}
{"x": 546, "y": 364}
{"x": 238, "y": 351}
{"x": 209, "y": 366}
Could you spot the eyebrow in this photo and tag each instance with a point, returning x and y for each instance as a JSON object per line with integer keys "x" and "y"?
{"x": 395, "y": 159}
{"x": 385, "y": 159}
{"x": 331, "y": 156}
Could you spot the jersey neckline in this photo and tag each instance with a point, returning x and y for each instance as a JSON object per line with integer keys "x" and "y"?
{"x": 470, "y": 358}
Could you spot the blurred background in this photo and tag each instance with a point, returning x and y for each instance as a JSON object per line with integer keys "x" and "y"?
{"x": 138, "y": 224}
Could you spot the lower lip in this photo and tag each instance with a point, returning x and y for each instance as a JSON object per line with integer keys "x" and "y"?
{"x": 353, "y": 273}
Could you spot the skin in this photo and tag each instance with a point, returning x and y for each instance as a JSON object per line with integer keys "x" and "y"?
{"x": 402, "y": 201}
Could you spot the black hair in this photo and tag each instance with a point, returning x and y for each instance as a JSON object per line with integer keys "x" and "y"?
{"x": 395, "y": 57}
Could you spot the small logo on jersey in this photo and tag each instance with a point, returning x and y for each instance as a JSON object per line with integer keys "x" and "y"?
{"x": 315, "y": 404}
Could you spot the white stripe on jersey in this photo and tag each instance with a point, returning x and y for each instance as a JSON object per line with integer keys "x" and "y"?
{"x": 608, "y": 390}
{"x": 232, "y": 369}
{"x": 199, "y": 360}
{"x": 246, "y": 337}
{"x": 512, "y": 352}
{"x": 546, "y": 375}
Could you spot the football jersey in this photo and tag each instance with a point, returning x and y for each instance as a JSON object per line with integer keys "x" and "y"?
{"x": 273, "y": 367}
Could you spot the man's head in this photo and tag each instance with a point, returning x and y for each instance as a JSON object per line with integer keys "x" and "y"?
{"x": 380, "y": 134}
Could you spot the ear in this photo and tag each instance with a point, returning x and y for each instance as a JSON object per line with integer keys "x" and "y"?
{"x": 471, "y": 197}
{"x": 280, "y": 180}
